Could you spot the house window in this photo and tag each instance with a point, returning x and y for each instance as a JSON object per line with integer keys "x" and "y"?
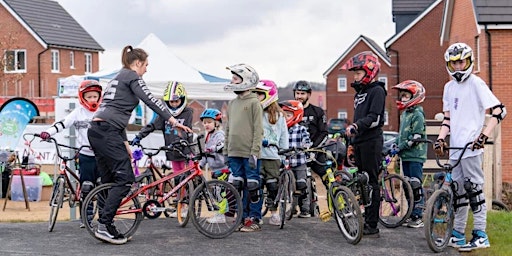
{"x": 386, "y": 117}
{"x": 55, "y": 61}
{"x": 384, "y": 79}
{"x": 342, "y": 84}
{"x": 342, "y": 114}
{"x": 72, "y": 60}
{"x": 88, "y": 63}
{"x": 15, "y": 61}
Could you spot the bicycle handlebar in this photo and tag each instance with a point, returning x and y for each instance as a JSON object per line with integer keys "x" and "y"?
{"x": 175, "y": 146}
{"x": 58, "y": 146}
{"x": 447, "y": 165}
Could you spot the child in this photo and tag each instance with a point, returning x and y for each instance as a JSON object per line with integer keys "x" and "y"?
{"x": 213, "y": 145}
{"x": 89, "y": 96}
{"x": 298, "y": 138}
{"x": 244, "y": 134}
{"x": 465, "y": 100}
{"x": 175, "y": 98}
{"x": 275, "y": 133}
{"x": 412, "y": 155}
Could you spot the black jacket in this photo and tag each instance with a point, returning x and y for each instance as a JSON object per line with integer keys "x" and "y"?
{"x": 315, "y": 120}
{"x": 369, "y": 104}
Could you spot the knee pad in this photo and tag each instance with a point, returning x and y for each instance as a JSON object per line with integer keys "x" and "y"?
{"x": 475, "y": 195}
{"x": 460, "y": 198}
{"x": 238, "y": 183}
{"x": 254, "y": 190}
{"x": 417, "y": 189}
{"x": 272, "y": 185}
{"x": 86, "y": 188}
{"x": 301, "y": 184}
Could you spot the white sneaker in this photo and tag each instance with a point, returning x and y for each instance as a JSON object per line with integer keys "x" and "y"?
{"x": 217, "y": 219}
{"x": 184, "y": 213}
{"x": 275, "y": 220}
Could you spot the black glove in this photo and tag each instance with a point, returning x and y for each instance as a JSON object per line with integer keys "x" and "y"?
{"x": 439, "y": 147}
{"x": 253, "y": 161}
{"x": 135, "y": 141}
{"x": 479, "y": 142}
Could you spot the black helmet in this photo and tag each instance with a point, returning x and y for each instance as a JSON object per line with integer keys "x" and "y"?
{"x": 302, "y": 86}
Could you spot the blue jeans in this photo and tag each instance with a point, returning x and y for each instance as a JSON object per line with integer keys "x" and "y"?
{"x": 240, "y": 170}
{"x": 415, "y": 169}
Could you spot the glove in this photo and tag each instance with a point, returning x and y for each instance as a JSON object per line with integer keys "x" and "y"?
{"x": 44, "y": 135}
{"x": 394, "y": 150}
{"x": 264, "y": 143}
{"x": 479, "y": 142}
{"x": 253, "y": 161}
{"x": 135, "y": 141}
{"x": 439, "y": 147}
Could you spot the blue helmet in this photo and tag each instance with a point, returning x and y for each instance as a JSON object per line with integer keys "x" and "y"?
{"x": 211, "y": 113}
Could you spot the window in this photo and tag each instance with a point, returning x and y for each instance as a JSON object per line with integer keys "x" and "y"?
{"x": 384, "y": 79}
{"x": 72, "y": 60}
{"x": 342, "y": 114}
{"x": 342, "y": 84}
{"x": 88, "y": 63}
{"x": 386, "y": 117}
{"x": 55, "y": 61}
{"x": 15, "y": 61}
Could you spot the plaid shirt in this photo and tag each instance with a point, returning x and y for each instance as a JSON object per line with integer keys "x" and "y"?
{"x": 299, "y": 138}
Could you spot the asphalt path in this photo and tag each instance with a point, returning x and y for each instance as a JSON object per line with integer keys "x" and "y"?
{"x": 164, "y": 237}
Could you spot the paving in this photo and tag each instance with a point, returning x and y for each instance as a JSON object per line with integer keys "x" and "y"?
{"x": 163, "y": 237}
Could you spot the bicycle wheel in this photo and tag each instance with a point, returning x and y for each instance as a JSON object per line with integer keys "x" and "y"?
{"x": 216, "y": 209}
{"x": 56, "y": 202}
{"x": 499, "y": 206}
{"x": 285, "y": 197}
{"x": 396, "y": 201}
{"x": 314, "y": 209}
{"x": 183, "y": 200}
{"x": 127, "y": 218}
{"x": 438, "y": 218}
{"x": 266, "y": 202}
{"x": 347, "y": 214}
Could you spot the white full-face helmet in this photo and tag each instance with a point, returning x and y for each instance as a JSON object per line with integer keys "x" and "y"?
{"x": 248, "y": 75}
{"x": 459, "y": 51}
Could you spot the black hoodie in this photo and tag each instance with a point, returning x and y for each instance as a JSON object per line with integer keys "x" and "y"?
{"x": 369, "y": 104}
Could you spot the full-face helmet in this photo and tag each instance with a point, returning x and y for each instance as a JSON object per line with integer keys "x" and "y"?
{"x": 296, "y": 108}
{"x": 269, "y": 89}
{"x": 175, "y": 91}
{"x": 89, "y": 86}
{"x": 367, "y": 61}
{"x": 248, "y": 75}
{"x": 459, "y": 51}
{"x": 416, "y": 90}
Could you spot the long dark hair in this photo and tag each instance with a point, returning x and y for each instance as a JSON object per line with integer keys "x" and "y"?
{"x": 274, "y": 111}
{"x": 130, "y": 55}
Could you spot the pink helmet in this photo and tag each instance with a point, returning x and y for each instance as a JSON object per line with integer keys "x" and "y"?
{"x": 269, "y": 88}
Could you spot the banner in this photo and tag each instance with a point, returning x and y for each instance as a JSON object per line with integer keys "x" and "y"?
{"x": 15, "y": 114}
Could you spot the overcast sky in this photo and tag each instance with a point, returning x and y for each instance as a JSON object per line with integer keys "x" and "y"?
{"x": 284, "y": 40}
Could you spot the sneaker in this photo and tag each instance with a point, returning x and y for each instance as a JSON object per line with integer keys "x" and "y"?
{"x": 251, "y": 226}
{"x": 406, "y": 222}
{"x": 304, "y": 214}
{"x": 418, "y": 223}
{"x": 109, "y": 233}
{"x": 82, "y": 225}
{"x": 217, "y": 219}
{"x": 275, "y": 220}
{"x": 174, "y": 214}
{"x": 457, "y": 239}
{"x": 479, "y": 240}
{"x": 370, "y": 232}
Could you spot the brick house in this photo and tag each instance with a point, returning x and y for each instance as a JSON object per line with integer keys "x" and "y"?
{"x": 424, "y": 29}
{"x": 41, "y": 43}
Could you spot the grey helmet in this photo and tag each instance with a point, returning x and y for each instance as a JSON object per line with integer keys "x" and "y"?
{"x": 248, "y": 75}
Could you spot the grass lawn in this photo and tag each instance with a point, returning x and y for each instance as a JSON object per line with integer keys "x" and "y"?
{"x": 499, "y": 230}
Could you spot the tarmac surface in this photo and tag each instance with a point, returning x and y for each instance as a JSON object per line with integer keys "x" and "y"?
{"x": 164, "y": 237}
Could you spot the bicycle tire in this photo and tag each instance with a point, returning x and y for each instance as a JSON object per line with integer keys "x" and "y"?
{"x": 439, "y": 217}
{"x": 56, "y": 202}
{"x": 283, "y": 199}
{"x": 265, "y": 207}
{"x": 292, "y": 199}
{"x": 396, "y": 201}
{"x": 314, "y": 209}
{"x": 183, "y": 201}
{"x": 126, "y": 224}
{"x": 347, "y": 214}
{"x": 499, "y": 206}
{"x": 212, "y": 199}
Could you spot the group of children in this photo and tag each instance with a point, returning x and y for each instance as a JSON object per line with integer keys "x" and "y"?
{"x": 258, "y": 126}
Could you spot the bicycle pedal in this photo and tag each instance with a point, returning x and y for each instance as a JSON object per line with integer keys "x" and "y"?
{"x": 325, "y": 215}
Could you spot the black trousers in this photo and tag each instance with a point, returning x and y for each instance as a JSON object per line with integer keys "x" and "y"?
{"x": 368, "y": 159}
{"x": 113, "y": 164}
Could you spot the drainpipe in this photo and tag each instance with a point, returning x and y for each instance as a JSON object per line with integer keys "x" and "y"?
{"x": 39, "y": 70}
{"x": 397, "y": 77}
{"x": 489, "y": 52}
